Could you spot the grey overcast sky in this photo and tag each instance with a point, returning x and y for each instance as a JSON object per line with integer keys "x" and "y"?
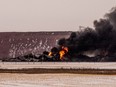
{"x": 51, "y": 15}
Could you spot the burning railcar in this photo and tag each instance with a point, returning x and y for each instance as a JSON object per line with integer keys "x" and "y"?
{"x": 59, "y": 53}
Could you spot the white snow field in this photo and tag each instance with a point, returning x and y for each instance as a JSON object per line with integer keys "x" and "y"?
{"x": 56, "y": 80}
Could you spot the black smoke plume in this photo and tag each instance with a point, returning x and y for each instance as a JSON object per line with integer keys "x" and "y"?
{"x": 102, "y": 37}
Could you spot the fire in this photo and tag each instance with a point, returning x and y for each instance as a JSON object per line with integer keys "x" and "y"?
{"x": 50, "y": 54}
{"x": 63, "y": 52}
{"x": 65, "y": 48}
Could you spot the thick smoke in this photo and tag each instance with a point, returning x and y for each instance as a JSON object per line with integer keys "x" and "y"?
{"x": 102, "y": 37}
{"x": 112, "y": 17}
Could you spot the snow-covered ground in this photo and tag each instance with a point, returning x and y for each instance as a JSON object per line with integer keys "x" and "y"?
{"x": 16, "y": 65}
{"x": 56, "y": 80}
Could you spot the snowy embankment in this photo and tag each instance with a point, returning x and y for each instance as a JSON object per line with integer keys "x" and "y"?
{"x": 58, "y": 65}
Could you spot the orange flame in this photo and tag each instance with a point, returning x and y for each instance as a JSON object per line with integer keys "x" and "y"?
{"x": 63, "y": 52}
{"x": 65, "y": 48}
{"x": 50, "y": 54}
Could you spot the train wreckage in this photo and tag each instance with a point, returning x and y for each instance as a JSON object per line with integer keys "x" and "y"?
{"x": 101, "y": 40}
